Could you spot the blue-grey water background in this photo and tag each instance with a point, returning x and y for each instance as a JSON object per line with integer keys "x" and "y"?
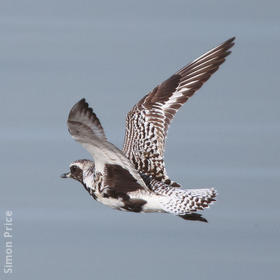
{"x": 52, "y": 53}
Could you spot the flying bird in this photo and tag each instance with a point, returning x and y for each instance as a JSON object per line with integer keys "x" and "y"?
{"x": 135, "y": 179}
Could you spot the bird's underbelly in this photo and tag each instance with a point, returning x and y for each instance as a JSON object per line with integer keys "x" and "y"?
{"x": 110, "y": 201}
{"x": 153, "y": 204}
{"x": 146, "y": 203}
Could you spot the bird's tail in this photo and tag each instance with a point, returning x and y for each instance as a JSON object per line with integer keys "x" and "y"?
{"x": 181, "y": 202}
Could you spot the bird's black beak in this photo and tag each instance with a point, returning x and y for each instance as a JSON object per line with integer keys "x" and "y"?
{"x": 65, "y": 175}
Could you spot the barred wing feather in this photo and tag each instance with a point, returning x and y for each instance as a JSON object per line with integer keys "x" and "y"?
{"x": 148, "y": 121}
{"x": 85, "y": 127}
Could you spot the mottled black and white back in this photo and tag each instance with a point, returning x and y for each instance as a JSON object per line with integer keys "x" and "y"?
{"x": 134, "y": 179}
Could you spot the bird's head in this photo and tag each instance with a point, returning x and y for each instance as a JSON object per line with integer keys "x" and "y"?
{"x": 79, "y": 169}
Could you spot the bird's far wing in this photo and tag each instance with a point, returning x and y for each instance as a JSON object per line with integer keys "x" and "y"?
{"x": 85, "y": 128}
{"x": 148, "y": 121}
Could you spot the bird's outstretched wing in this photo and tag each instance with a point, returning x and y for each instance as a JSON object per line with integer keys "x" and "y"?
{"x": 85, "y": 128}
{"x": 148, "y": 121}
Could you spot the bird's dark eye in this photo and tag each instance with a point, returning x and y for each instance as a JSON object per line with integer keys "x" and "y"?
{"x": 73, "y": 169}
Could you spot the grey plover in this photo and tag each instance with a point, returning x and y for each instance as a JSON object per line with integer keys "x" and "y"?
{"x": 134, "y": 178}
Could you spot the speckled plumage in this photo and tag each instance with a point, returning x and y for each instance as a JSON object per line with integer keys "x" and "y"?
{"x": 135, "y": 179}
